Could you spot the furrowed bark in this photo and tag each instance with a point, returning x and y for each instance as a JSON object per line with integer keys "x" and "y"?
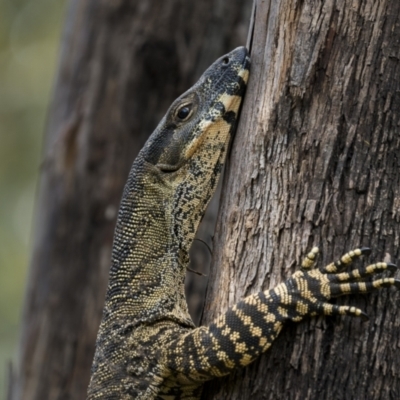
{"x": 315, "y": 161}
{"x": 122, "y": 64}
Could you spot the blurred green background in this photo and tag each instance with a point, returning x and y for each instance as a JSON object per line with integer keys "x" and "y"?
{"x": 29, "y": 41}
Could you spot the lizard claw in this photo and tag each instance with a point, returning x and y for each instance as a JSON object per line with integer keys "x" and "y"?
{"x": 364, "y": 317}
{"x": 365, "y": 251}
{"x": 392, "y": 267}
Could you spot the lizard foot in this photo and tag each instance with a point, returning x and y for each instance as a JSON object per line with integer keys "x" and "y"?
{"x": 310, "y": 288}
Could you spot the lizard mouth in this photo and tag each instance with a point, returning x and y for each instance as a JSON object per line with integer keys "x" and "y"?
{"x": 247, "y": 62}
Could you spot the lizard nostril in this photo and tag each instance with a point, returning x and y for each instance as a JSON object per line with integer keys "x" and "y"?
{"x": 226, "y": 61}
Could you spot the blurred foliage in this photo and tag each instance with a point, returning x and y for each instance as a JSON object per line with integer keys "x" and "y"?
{"x": 29, "y": 40}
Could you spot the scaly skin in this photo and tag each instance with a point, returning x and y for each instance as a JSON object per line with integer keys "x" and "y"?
{"x": 147, "y": 346}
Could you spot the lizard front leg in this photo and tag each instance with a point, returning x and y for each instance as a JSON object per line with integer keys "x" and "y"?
{"x": 248, "y": 328}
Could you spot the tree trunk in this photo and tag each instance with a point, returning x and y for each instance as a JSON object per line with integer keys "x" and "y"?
{"x": 319, "y": 134}
{"x": 122, "y": 64}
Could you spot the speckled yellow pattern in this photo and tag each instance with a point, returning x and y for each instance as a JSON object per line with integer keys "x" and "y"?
{"x": 147, "y": 346}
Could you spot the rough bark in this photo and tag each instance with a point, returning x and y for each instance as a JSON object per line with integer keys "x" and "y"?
{"x": 316, "y": 161}
{"x": 122, "y": 63}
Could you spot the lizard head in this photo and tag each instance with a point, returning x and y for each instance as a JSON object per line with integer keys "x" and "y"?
{"x": 207, "y": 111}
{"x": 187, "y": 151}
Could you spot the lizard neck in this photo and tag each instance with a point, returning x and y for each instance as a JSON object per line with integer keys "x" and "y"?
{"x": 148, "y": 262}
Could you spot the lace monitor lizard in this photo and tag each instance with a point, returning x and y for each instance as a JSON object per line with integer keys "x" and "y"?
{"x": 147, "y": 346}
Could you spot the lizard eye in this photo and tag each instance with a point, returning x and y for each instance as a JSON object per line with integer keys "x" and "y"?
{"x": 184, "y": 112}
